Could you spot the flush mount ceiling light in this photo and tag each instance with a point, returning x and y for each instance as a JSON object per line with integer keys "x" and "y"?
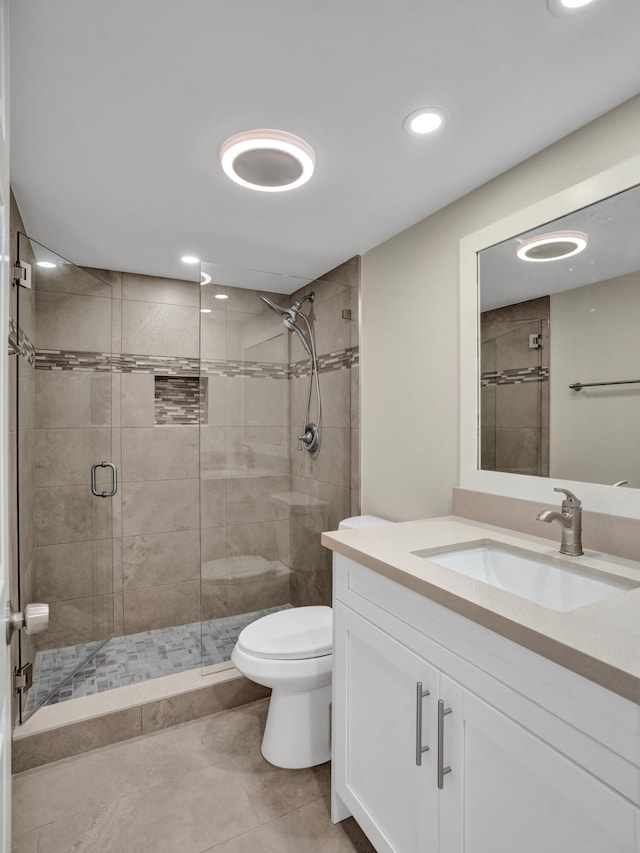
{"x": 422, "y": 121}
{"x": 190, "y": 259}
{"x": 569, "y": 7}
{"x": 267, "y": 160}
{"x": 552, "y": 246}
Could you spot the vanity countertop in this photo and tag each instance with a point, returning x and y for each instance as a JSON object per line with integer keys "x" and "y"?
{"x": 599, "y": 641}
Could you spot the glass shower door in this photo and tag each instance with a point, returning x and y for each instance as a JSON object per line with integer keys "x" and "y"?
{"x": 65, "y": 480}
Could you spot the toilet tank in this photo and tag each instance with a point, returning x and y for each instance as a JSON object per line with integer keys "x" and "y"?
{"x": 357, "y": 521}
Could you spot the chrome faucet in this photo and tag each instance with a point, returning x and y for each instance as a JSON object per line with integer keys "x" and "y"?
{"x": 570, "y": 519}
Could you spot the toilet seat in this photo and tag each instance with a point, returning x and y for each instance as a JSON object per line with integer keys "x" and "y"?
{"x": 298, "y": 633}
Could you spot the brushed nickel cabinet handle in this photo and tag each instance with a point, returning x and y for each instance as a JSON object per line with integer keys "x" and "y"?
{"x": 442, "y": 770}
{"x": 420, "y": 694}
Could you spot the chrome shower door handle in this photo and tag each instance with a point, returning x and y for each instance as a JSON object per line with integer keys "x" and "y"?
{"x": 114, "y": 480}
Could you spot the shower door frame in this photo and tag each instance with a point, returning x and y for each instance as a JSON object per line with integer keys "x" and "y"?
{"x": 105, "y": 360}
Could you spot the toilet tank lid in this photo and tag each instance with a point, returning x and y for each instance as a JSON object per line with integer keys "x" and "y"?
{"x": 292, "y": 634}
{"x": 362, "y": 521}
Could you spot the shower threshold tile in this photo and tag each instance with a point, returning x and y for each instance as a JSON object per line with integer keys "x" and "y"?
{"x": 132, "y": 659}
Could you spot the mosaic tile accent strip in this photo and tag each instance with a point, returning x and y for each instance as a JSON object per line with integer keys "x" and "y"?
{"x": 50, "y": 359}
{"x": 177, "y": 366}
{"x": 514, "y": 377}
{"x": 14, "y": 347}
{"x": 180, "y": 399}
{"x": 339, "y": 360}
{"x": 157, "y": 364}
{"x": 137, "y": 657}
{"x": 20, "y": 343}
{"x": 258, "y": 369}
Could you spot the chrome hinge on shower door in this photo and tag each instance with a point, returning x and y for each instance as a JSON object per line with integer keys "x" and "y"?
{"x": 23, "y": 678}
{"x": 22, "y": 274}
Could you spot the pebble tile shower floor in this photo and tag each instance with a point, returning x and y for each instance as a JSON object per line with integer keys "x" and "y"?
{"x": 135, "y": 657}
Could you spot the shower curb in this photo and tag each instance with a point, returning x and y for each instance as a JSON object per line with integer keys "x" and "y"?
{"x": 40, "y": 742}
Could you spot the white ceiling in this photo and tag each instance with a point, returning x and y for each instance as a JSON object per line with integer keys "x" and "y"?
{"x": 118, "y": 110}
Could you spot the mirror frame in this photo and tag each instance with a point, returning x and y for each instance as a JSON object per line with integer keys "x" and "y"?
{"x": 597, "y": 498}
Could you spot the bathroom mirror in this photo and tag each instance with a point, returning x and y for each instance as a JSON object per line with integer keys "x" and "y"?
{"x": 532, "y": 329}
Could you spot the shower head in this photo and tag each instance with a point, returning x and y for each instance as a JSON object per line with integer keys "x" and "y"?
{"x": 289, "y": 317}
{"x": 273, "y": 306}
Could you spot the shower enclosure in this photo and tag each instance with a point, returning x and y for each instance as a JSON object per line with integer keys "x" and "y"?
{"x": 198, "y": 402}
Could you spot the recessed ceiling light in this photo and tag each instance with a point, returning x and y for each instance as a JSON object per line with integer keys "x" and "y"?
{"x": 424, "y": 120}
{"x": 190, "y": 259}
{"x": 205, "y": 310}
{"x": 267, "y": 160}
{"x": 552, "y": 246}
{"x": 222, "y": 295}
{"x": 47, "y": 265}
{"x": 205, "y": 278}
{"x": 568, "y": 7}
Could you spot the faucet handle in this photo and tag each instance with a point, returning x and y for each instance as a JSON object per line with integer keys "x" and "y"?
{"x": 570, "y": 500}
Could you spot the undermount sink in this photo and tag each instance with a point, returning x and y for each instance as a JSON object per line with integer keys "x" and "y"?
{"x": 540, "y": 579}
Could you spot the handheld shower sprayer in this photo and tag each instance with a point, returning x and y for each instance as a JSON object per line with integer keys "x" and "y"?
{"x": 290, "y": 315}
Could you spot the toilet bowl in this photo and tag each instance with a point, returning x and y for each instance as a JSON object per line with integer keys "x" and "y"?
{"x": 290, "y": 651}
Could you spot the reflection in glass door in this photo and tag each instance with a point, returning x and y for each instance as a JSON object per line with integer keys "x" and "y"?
{"x": 65, "y": 504}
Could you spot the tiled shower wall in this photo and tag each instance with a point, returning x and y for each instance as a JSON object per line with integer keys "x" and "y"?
{"x": 325, "y": 485}
{"x": 264, "y": 502}
{"x": 239, "y": 481}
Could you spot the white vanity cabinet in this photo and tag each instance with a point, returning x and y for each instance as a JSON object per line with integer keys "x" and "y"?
{"x": 525, "y": 773}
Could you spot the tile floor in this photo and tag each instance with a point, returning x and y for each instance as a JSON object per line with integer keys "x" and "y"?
{"x": 195, "y": 788}
{"x": 135, "y": 657}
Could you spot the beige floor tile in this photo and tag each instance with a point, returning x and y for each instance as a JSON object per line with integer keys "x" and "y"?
{"x": 200, "y": 786}
{"x": 274, "y": 791}
{"x": 204, "y": 742}
{"x": 307, "y": 830}
{"x": 55, "y": 790}
{"x": 26, "y": 842}
{"x": 188, "y": 814}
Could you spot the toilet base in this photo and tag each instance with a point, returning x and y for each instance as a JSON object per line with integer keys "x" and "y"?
{"x": 298, "y": 729}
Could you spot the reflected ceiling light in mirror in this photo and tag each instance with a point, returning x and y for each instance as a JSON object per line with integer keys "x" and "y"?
{"x": 267, "y": 160}
{"x": 553, "y": 246}
{"x": 569, "y": 7}
{"x": 47, "y": 265}
{"x": 423, "y": 121}
{"x": 205, "y": 310}
{"x": 205, "y": 278}
{"x": 190, "y": 259}
{"x": 222, "y": 296}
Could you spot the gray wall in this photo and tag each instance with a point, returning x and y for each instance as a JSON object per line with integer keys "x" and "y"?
{"x": 595, "y": 339}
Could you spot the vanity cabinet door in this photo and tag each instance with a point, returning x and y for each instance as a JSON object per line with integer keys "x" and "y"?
{"x": 376, "y": 723}
{"x": 519, "y": 793}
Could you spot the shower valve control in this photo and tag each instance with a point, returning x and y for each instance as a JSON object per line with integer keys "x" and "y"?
{"x": 310, "y": 438}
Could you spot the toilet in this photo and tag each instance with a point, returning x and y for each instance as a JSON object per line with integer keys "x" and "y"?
{"x": 291, "y": 652}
